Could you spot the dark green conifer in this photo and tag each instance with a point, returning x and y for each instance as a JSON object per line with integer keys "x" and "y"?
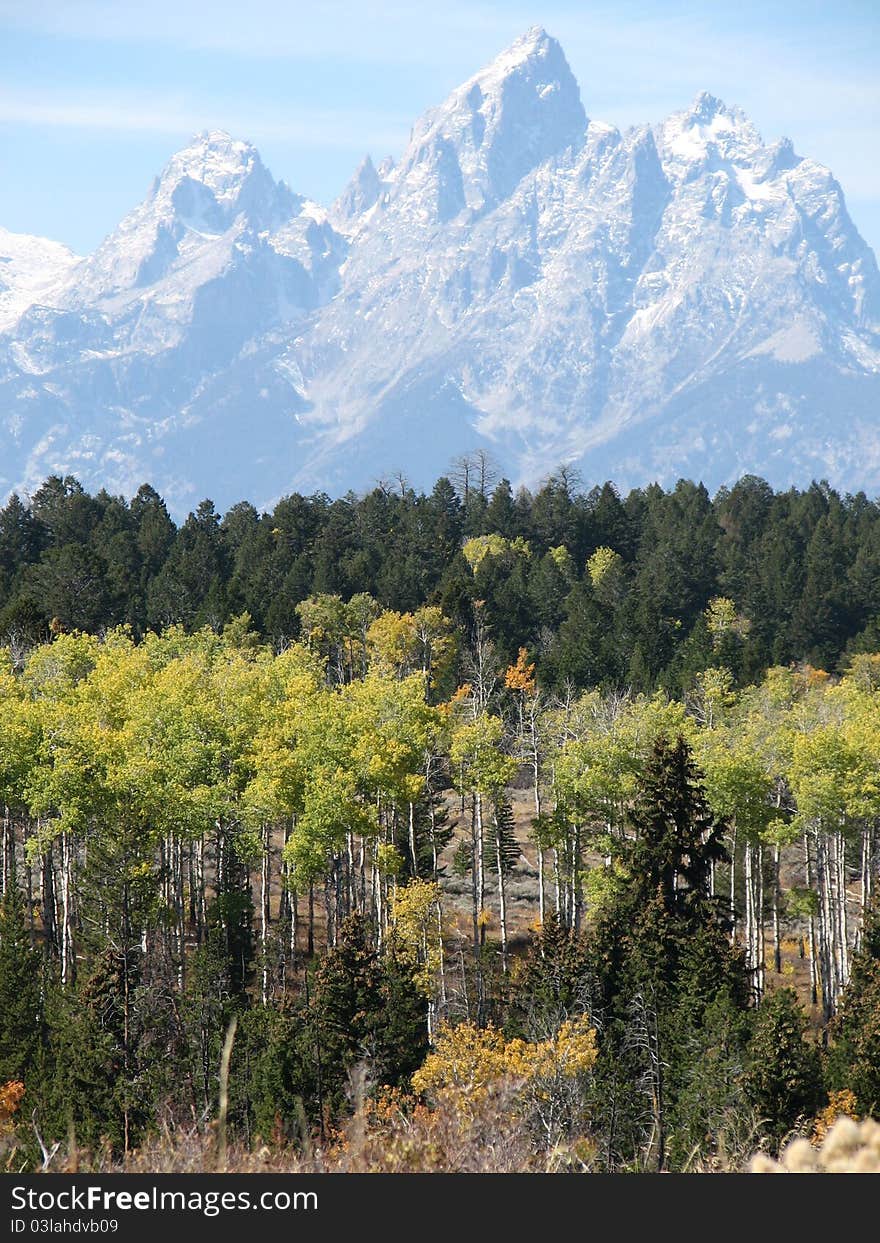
{"x": 783, "y": 1081}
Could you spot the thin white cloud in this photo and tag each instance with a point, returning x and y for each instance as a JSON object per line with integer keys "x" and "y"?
{"x": 635, "y": 62}
{"x": 316, "y": 128}
{"x": 337, "y": 29}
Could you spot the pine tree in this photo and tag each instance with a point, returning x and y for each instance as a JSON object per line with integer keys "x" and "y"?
{"x": 96, "y": 1052}
{"x": 554, "y": 984}
{"x": 367, "y": 1012}
{"x": 783, "y": 1080}
{"x": 21, "y": 1017}
{"x": 677, "y": 839}
{"x": 663, "y": 966}
{"x": 854, "y": 1060}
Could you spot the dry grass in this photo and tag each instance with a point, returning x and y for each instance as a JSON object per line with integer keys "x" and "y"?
{"x": 393, "y": 1135}
{"x": 848, "y": 1148}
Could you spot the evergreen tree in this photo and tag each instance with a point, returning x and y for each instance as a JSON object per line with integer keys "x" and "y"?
{"x": 368, "y": 1011}
{"x": 554, "y": 984}
{"x": 663, "y": 965}
{"x": 854, "y": 1060}
{"x": 96, "y": 1055}
{"x": 21, "y": 536}
{"x": 501, "y": 514}
{"x": 677, "y": 839}
{"x": 783, "y": 1080}
{"x": 21, "y": 1010}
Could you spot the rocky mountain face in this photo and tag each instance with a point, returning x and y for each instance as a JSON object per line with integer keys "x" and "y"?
{"x": 675, "y": 300}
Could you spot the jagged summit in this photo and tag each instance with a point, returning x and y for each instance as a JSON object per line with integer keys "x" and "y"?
{"x": 709, "y": 129}
{"x": 534, "y": 47}
{"x": 520, "y": 109}
{"x": 232, "y": 173}
{"x": 216, "y": 187}
{"x": 678, "y": 299}
{"x": 706, "y": 107}
{"x": 359, "y": 195}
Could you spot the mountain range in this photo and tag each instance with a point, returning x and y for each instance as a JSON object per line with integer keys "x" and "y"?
{"x": 679, "y": 299}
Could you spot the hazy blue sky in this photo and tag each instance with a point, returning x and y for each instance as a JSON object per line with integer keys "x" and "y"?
{"x": 96, "y": 94}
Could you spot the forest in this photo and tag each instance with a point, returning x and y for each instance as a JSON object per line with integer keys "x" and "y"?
{"x": 468, "y": 831}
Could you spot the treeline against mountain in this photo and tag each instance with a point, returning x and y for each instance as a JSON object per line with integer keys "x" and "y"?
{"x": 601, "y": 589}
{"x": 316, "y": 853}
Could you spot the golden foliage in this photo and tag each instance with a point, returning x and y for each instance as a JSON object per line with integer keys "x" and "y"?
{"x": 722, "y": 619}
{"x": 841, "y": 1104}
{"x": 11, "y": 1096}
{"x": 415, "y": 911}
{"x": 475, "y": 550}
{"x": 469, "y": 1062}
{"x": 521, "y": 676}
{"x": 602, "y": 563}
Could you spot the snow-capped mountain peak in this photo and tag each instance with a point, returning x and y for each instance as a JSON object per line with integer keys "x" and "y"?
{"x": 32, "y": 269}
{"x": 521, "y": 109}
{"x": 359, "y": 195}
{"x": 215, "y": 187}
{"x": 227, "y": 176}
{"x": 681, "y": 298}
{"x": 709, "y": 131}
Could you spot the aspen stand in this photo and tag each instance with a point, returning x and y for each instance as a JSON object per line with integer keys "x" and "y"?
{"x": 8, "y": 851}
{"x": 733, "y": 883}
{"x": 265, "y": 911}
{"x": 412, "y": 841}
{"x": 502, "y": 896}
{"x": 761, "y": 948}
{"x": 777, "y": 893}
{"x": 811, "y": 941}
{"x": 68, "y": 960}
{"x": 481, "y": 862}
